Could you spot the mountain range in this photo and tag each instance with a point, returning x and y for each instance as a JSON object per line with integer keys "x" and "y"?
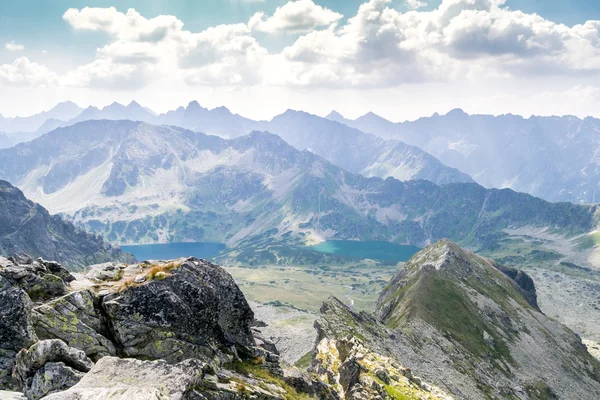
{"x": 555, "y": 158}
{"x": 139, "y": 183}
{"x": 344, "y": 146}
{"x": 20, "y": 129}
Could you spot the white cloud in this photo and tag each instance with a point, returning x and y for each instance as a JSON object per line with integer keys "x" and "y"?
{"x": 299, "y": 16}
{"x": 467, "y": 39}
{"x": 145, "y": 49}
{"x": 12, "y": 46}
{"x": 23, "y": 72}
{"x": 378, "y": 47}
{"x": 415, "y": 4}
{"x": 225, "y": 54}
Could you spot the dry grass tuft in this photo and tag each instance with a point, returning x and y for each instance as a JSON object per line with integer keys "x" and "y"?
{"x": 160, "y": 272}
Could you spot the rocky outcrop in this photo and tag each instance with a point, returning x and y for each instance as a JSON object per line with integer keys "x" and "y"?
{"x": 183, "y": 309}
{"x": 116, "y": 378}
{"x": 27, "y": 227}
{"x": 524, "y": 283}
{"x": 357, "y": 368}
{"x": 16, "y": 329}
{"x": 77, "y": 320}
{"x": 458, "y": 322}
{"x": 49, "y": 366}
{"x": 187, "y": 314}
{"x": 42, "y": 280}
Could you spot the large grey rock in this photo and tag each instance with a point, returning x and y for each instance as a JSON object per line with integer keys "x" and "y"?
{"x": 6, "y": 395}
{"x": 77, "y": 321}
{"x": 193, "y": 311}
{"x": 105, "y": 272}
{"x": 16, "y": 329}
{"x": 49, "y": 366}
{"x": 42, "y": 280}
{"x": 128, "y": 379}
{"x": 57, "y": 269}
{"x": 52, "y": 377}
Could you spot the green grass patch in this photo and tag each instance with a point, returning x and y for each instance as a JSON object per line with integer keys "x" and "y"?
{"x": 251, "y": 370}
{"x": 588, "y": 241}
{"x": 305, "y": 361}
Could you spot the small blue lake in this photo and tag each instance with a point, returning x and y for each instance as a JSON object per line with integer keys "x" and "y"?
{"x": 374, "y": 250}
{"x": 168, "y": 251}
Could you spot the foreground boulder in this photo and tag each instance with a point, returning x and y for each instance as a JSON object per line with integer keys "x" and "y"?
{"x": 116, "y": 378}
{"x": 49, "y": 366}
{"x": 186, "y": 309}
{"x": 129, "y": 379}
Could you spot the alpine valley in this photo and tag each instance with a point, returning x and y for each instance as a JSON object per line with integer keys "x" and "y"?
{"x": 484, "y": 311}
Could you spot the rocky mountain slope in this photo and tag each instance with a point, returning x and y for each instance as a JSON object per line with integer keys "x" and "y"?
{"x": 555, "y": 158}
{"x": 138, "y": 183}
{"x": 27, "y": 227}
{"x": 450, "y": 325}
{"x": 459, "y": 322}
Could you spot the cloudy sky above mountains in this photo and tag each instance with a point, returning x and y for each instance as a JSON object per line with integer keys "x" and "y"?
{"x": 400, "y": 58}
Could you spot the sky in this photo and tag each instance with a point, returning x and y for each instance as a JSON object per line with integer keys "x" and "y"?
{"x": 402, "y": 59}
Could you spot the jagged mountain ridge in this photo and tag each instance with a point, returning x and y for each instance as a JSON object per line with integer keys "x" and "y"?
{"x": 345, "y": 147}
{"x": 358, "y": 152}
{"x": 457, "y": 321}
{"x": 28, "y": 227}
{"x": 555, "y": 158}
{"x": 138, "y": 183}
{"x": 64, "y": 111}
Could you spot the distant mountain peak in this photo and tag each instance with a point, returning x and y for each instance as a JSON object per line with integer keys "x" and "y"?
{"x": 297, "y": 113}
{"x": 456, "y": 112}
{"x": 335, "y": 116}
{"x": 134, "y": 104}
{"x": 371, "y": 116}
{"x": 113, "y": 105}
{"x": 194, "y": 105}
{"x": 221, "y": 110}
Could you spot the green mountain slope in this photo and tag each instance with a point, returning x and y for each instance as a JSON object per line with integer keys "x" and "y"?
{"x": 137, "y": 183}
{"x": 459, "y": 322}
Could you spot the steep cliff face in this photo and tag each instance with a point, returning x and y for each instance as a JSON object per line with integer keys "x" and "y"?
{"x": 464, "y": 324}
{"x": 26, "y": 227}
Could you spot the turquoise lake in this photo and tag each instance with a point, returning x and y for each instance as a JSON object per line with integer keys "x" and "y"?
{"x": 168, "y": 251}
{"x": 374, "y": 250}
